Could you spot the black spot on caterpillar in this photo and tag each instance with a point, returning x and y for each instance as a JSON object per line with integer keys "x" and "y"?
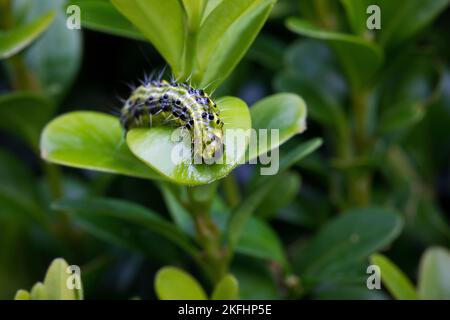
{"x": 178, "y": 105}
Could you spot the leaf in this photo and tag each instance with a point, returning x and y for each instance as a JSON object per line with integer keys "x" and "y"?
{"x": 319, "y": 81}
{"x": 15, "y": 40}
{"x": 226, "y": 289}
{"x": 298, "y": 153}
{"x": 103, "y": 16}
{"x": 91, "y": 140}
{"x": 284, "y": 112}
{"x": 356, "y": 15}
{"x": 394, "y": 279}
{"x": 360, "y": 59}
{"x": 401, "y": 116}
{"x": 245, "y": 210}
{"x": 226, "y": 35}
{"x": 161, "y": 22}
{"x": 175, "y": 284}
{"x": 22, "y": 295}
{"x": 194, "y": 10}
{"x": 125, "y": 223}
{"x": 349, "y": 292}
{"x": 401, "y": 21}
{"x": 255, "y": 280}
{"x": 18, "y": 194}
{"x": 39, "y": 292}
{"x": 24, "y": 114}
{"x": 156, "y": 147}
{"x": 54, "y": 59}
{"x": 55, "y": 282}
{"x": 352, "y": 236}
{"x": 280, "y": 196}
{"x": 434, "y": 279}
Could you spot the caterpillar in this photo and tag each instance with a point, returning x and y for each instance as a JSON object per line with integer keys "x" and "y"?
{"x": 159, "y": 102}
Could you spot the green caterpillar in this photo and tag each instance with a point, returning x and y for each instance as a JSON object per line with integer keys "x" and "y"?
{"x": 178, "y": 105}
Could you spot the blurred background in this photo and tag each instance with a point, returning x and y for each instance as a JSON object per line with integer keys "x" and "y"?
{"x": 407, "y": 168}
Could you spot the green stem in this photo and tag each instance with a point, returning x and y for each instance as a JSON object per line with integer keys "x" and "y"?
{"x": 231, "y": 190}
{"x": 6, "y": 17}
{"x": 214, "y": 256}
{"x": 360, "y": 179}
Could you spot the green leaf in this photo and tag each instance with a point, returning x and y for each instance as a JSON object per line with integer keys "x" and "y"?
{"x": 194, "y": 10}
{"x": 401, "y": 21}
{"x": 319, "y": 81}
{"x": 55, "y": 282}
{"x": 225, "y": 36}
{"x": 434, "y": 279}
{"x": 22, "y": 295}
{"x": 15, "y": 40}
{"x": 284, "y": 112}
{"x": 156, "y": 147}
{"x": 348, "y": 238}
{"x": 55, "y": 58}
{"x": 39, "y": 292}
{"x": 125, "y": 223}
{"x": 360, "y": 59}
{"x": 280, "y": 196}
{"x": 255, "y": 280}
{"x": 226, "y": 289}
{"x": 175, "y": 284}
{"x": 296, "y": 154}
{"x": 24, "y": 114}
{"x": 259, "y": 240}
{"x": 103, "y": 16}
{"x": 18, "y": 194}
{"x": 356, "y": 15}
{"x": 161, "y": 22}
{"x": 401, "y": 116}
{"x": 245, "y": 210}
{"x": 91, "y": 140}
{"x": 349, "y": 292}
{"x": 394, "y": 279}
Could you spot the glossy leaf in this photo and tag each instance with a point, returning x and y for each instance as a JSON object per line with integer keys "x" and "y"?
{"x": 55, "y": 58}
{"x": 434, "y": 279}
{"x": 25, "y": 114}
{"x": 284, "y": 112}
{"x": 103, "y": 16}
{"x": 394, "y": 279}
{"x": 226, "y": 289}
{"x": 91, "y": 140}
{"x": 359, "y": 58}
{"x": 155, "y": 147}
{"x": 350, "y": 237}
{"x": 15, "y": 40}
{"x": 55, "y": 282}
{"x": 175, "y": 284}
{"x": 161, "y": 22}
{"x": 226, "y": 35}
{"x": 125, "y": 223}
{"x": 39, "y": 292}
{"x": 22, "y": 295}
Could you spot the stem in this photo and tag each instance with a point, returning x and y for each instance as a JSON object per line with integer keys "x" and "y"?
{"x": 360, "y": 180}
{"x": 6, "y": 18}
{"x": 215, "y": 256}
{"x": 231, "y": 189}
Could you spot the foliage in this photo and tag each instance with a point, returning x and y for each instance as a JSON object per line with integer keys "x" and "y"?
{"x": 127, "y": 215}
